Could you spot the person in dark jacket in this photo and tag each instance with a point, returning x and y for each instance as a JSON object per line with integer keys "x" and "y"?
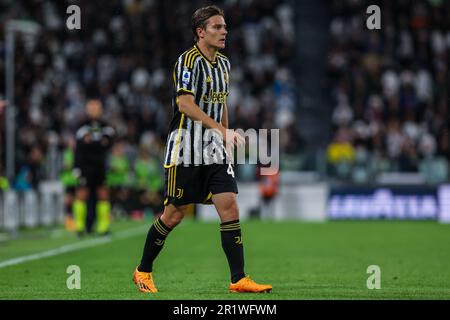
{"x": 94, "y": 138}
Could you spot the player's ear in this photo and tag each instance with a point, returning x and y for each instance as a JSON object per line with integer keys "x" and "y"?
{"x": 200, "y": 32}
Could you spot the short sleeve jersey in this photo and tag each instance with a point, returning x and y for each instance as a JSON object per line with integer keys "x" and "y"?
{"x": 188, "y": 143}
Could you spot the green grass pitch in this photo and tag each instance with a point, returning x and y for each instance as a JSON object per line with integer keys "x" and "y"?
{"x": 301, "y": 260}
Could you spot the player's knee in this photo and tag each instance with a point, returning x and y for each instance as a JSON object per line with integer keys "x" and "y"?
{"x": 82, "y": 194}
{"x": 103, "y": 194}
{"x": 171, "y": 220}
{"x": 231, "y": 210}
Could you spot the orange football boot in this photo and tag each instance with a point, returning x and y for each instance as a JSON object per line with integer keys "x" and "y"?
{"x": 144, "y": 281}
{"x": 248, "y": 285}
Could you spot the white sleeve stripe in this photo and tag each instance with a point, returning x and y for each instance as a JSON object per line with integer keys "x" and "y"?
{"x": 108, "y": 131}
{"x": 82, "y": 131}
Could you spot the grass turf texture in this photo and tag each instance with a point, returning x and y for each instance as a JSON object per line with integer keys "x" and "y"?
{"x": 300, "y": 260}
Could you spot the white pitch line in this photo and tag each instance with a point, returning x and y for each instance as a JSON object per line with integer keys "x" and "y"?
{"x": 74, "y": 247}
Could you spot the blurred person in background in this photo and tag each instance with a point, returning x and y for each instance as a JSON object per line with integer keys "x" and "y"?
{"x": 268, "y": 189}
{"x": 4, "y": 183}
{"x": 341, "y": 153}
{"x": 69, "y": 179}
{"x": 118, "y": 179}
{"x": 94, "y": 138}
{"x": 30, "y": 169}
{"x": 149, "y": 183}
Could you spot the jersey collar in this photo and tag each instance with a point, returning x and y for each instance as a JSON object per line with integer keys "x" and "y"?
{"x": 212, "y": 63}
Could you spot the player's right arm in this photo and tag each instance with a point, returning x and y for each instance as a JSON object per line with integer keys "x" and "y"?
{"x": 185, "y": 76}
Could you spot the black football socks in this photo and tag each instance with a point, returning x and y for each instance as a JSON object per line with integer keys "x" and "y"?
{"x": 234, "y": 250}
{"x": 156, "y": 237}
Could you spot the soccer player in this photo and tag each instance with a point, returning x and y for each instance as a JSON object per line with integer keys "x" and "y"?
{"x": 194, "y": 173}
{"x": 93, "y": 141}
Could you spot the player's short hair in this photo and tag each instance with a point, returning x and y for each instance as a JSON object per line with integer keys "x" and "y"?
{"x": 202, "y": 15}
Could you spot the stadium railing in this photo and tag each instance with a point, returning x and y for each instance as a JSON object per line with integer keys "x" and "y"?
{"x": 32, "y": 208}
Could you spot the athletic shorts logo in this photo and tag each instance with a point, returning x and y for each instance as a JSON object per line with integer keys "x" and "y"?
{"x": 186, "y": 77}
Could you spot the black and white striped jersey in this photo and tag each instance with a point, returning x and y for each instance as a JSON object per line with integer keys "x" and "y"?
{"x": 188, "y": 142}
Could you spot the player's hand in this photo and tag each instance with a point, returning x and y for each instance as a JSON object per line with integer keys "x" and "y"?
{"x": 87, "y": 138}
{"x": 234, "y": 138}
{"x": 104, "y": 142}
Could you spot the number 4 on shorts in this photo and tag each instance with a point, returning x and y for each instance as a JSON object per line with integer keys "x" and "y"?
{"x": 230, "y": 170}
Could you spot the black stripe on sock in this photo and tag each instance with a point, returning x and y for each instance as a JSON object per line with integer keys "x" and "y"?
{"x": 229, "y": 222}
{"x": 230, "y": 225}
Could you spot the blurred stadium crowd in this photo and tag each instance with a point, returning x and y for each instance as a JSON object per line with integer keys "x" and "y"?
{"x": 390, "y": 90}
{"x": 125, "y": 52}
{"x": 390, "y": 87}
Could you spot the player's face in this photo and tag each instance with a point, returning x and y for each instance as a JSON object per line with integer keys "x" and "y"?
{"x": 94, "y": 109}
{"x": 215, "y": 32}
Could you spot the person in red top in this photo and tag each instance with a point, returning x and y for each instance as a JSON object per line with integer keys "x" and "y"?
{"x": 268, "y": 190}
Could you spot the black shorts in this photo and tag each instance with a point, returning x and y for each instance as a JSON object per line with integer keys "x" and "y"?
{"x": 184, "y": 185}
{"x": 92, "y": 178}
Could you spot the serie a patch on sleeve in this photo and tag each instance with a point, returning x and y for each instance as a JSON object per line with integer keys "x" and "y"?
{"x": 186, "y": 77}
